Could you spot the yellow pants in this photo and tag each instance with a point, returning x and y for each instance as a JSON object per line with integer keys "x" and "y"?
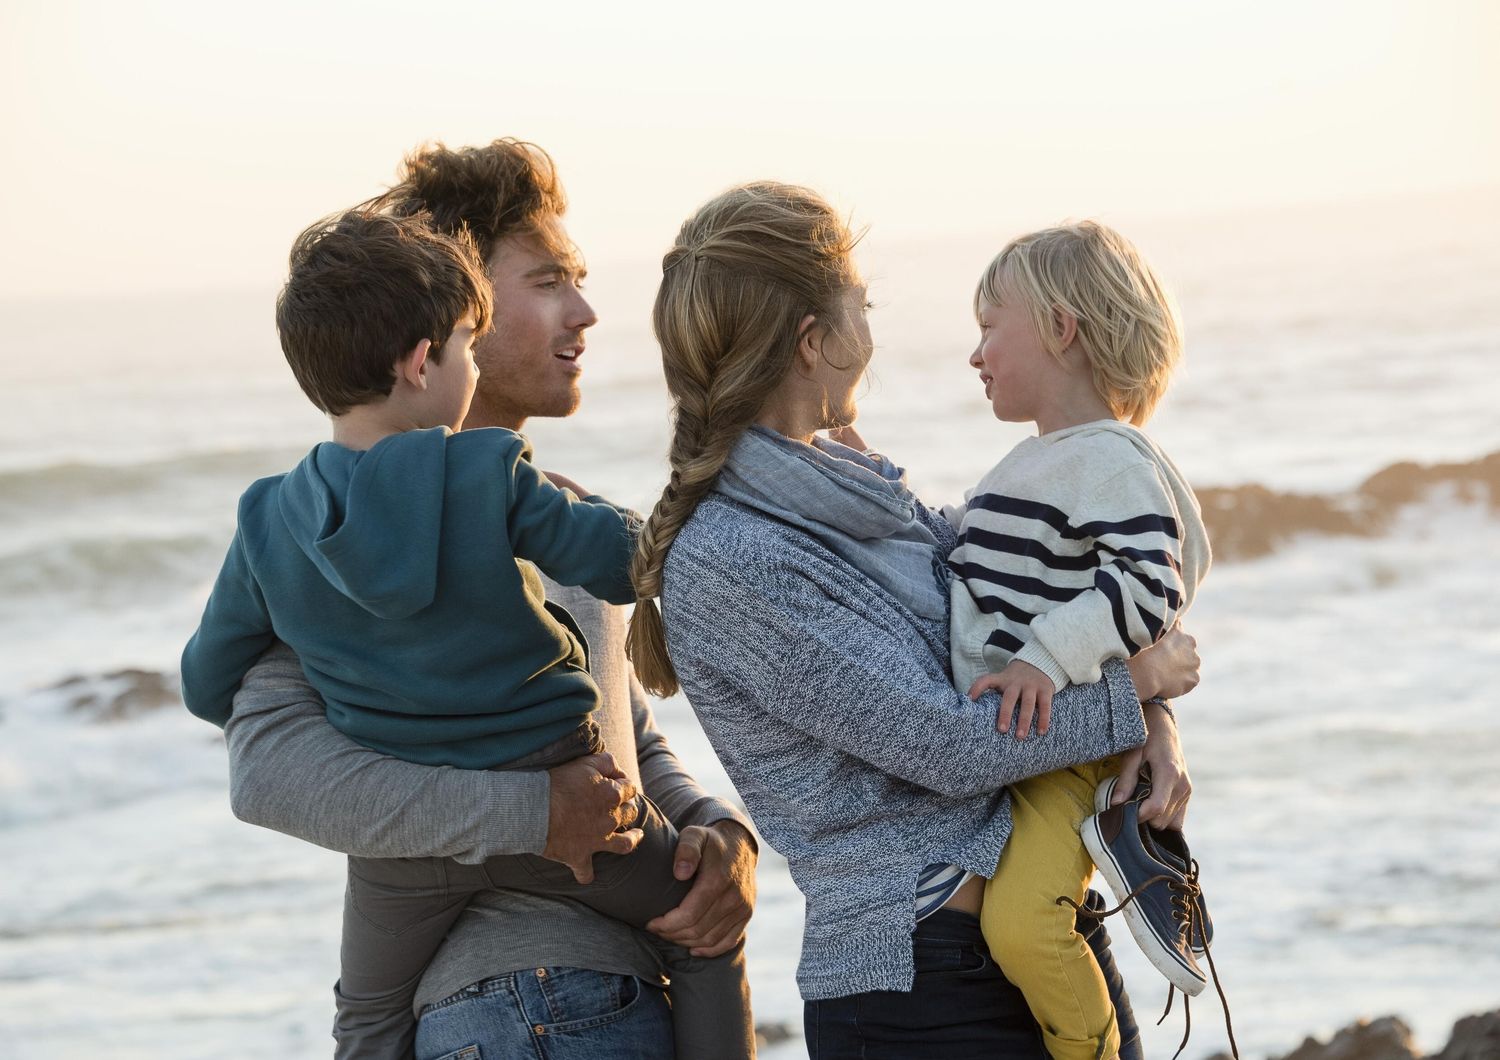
{"x": 1030, "y": 934}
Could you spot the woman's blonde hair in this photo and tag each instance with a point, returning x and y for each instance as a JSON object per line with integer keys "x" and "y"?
{"x": 744, "y": 273}
{"x": 1128, "y": 325}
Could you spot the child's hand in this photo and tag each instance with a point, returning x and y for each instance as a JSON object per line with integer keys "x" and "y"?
{"x": 1019, "y": 684}
{"x": 847, "y": 435}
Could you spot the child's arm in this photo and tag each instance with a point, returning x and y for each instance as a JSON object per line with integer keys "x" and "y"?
{"x": 1138, "y": 590}
{"x": 290, "y": 770}
{"x": 235, "y": 630}
{"x": 583, "y": 541}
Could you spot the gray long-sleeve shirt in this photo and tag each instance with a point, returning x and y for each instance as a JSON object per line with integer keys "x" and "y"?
{"x": 291, "y": 771}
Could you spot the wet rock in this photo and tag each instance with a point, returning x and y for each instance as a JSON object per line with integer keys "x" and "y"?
{"x": 1248, "y": 521}
{"x": 120, "y": 695}
{"x": 767, "y": 1034}
{"x": 1474, "y": 1038}
{"x": 1387, "y": 1038}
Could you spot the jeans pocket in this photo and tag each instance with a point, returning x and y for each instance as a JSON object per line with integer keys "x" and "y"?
{"x": 577, "y": 999}
{"x": 468, "y": 1052}
{"x": 955, "y": 960}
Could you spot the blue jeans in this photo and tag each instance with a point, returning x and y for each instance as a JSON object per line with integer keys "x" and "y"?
{"x": 549, "y": 1014}
{"x": 961, "y": 1006}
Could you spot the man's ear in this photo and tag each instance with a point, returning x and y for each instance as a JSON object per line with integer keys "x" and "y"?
{"x": 1064, "y": 327}
{"x": 412, "y": 368}
{"x": 809, "y": 343}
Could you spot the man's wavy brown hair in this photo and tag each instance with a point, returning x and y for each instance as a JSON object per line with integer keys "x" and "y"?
{"x": 506, "y": 187}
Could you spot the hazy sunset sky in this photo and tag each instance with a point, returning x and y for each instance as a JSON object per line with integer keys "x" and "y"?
{"x": 165, "y": 145}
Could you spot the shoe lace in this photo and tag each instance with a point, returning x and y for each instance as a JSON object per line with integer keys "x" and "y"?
{"x": 1187, "y": 911}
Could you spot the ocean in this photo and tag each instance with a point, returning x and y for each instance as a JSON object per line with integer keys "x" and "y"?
{"x": 1335, "y": 410}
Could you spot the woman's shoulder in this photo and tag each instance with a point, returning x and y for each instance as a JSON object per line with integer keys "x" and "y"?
{"x": 726, "y": 548}
{"x": 726, "y": 535}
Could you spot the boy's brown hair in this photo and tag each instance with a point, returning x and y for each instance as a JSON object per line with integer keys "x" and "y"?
{"x": 364, "y": 289}
{"x": 503, "y": 188}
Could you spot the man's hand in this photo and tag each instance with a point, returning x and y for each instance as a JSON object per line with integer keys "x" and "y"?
{"x": 711, "y": 919}
{"x": 562, "y": 482}
{"x": 590, "y": 801}
{"x": 1021, "y": 684}
{"x": 1166, "y": 807}
{"x": 1169, "y": 668}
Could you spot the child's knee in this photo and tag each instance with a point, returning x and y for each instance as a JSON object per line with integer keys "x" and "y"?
{"x": 1021, "y": 934}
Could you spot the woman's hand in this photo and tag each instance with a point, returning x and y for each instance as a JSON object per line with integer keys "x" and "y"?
{"x": 1169, "y": 668}
{"x": 1166, "y": 807}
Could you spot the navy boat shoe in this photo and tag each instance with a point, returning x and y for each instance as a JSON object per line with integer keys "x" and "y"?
{"x": 1170, "y": 846}
{"x": 1157, "y": 898}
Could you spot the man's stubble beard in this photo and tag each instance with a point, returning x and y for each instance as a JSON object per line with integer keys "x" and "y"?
{"x": 507, "y": 410}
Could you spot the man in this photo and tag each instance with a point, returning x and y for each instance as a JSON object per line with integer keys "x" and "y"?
{"x": 518, "y": 971}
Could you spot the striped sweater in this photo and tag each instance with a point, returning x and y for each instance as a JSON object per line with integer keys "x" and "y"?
{"x": 1081, "y": 545}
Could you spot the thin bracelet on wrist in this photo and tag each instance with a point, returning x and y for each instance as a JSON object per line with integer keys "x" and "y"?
{"x": 1159, "y": 701}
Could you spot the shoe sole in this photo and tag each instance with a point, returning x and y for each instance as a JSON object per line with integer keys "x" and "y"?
{"x": 1102, "y": 794}
{"x": 1166, "y": 962}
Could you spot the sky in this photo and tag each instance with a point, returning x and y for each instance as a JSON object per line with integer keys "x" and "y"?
{"x": 168, "y": 145}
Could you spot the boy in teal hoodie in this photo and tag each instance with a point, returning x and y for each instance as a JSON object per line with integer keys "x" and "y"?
{"x": 388, "y": 560}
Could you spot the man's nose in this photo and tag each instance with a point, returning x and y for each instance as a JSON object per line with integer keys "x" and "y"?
{"x": 581, "y": 315}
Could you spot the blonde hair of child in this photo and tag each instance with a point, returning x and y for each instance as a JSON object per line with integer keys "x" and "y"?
{"x": 1128, "y": 325}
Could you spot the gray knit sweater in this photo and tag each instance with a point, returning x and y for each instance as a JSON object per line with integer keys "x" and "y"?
{"x": 831, "y": 706}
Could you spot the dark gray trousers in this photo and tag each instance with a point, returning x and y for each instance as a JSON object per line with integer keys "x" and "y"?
{"x": 397, "y": 911}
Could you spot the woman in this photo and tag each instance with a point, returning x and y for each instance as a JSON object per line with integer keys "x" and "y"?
{"x": 803, "y": 611}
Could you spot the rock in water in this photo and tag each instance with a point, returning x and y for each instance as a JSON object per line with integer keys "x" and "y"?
{"x": 767, "y": 1034}
{"x": 1474, "y": 1038}
{"x": 1387, "y": 1038}
{"x": 120, "y": 695}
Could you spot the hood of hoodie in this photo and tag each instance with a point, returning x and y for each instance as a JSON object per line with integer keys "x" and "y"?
{"x": 857, "y": 505}
{"x": 371, "y": 521}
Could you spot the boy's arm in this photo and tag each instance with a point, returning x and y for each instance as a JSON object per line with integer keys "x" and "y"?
{"x": 1138, "y": 589}
{"x": 576, "y": 541}
{"x": 291, "y": 771}
{"x": 235, "y": 629}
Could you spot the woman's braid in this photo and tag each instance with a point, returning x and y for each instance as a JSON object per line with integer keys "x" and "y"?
{"x": 745, "y": 271}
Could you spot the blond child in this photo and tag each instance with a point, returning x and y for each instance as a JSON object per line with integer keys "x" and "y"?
{"x": 1083, "y": 544}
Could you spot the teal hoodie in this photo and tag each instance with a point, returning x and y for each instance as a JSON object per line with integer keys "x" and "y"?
{"x": 393, "y": 574}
